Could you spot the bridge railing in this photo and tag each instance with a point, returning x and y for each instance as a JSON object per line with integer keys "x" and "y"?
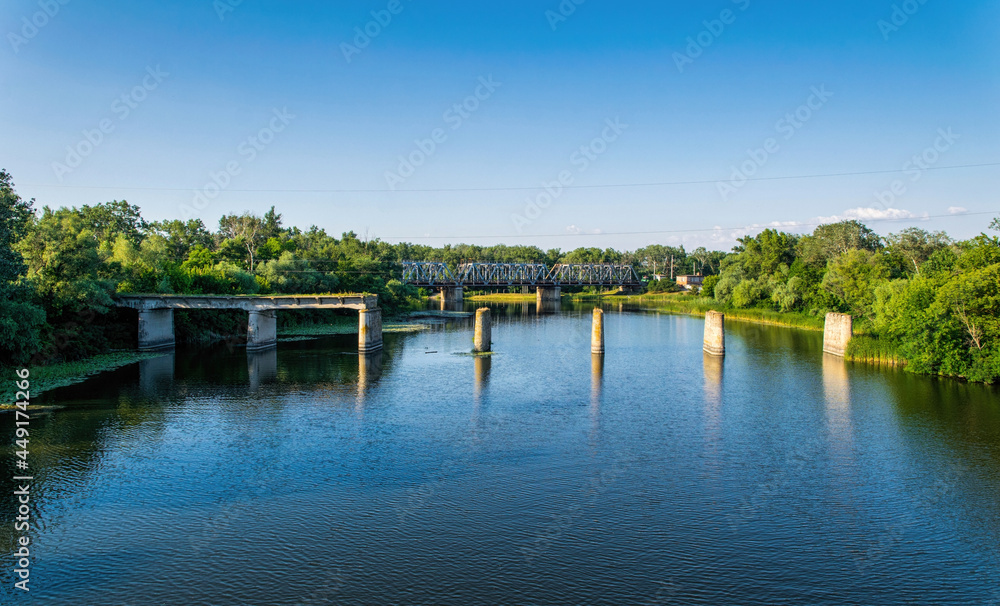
{"x": 586, "y": 274}
{"x": 428, "y": 273}
{"x": 519, "y": 274}
{"x": 501, "y": 273}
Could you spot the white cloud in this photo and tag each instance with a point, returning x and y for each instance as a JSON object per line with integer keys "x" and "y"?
{"x": 573, "y": 229}
{"x": 879, "y": 214}
{"x": 957, "y": 210}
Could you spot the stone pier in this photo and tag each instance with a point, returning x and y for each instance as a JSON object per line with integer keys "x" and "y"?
{"x": 262, "y": 330}
{"x": 837, "y": 333}
{"x": 715, "y": 333}
{"x": 597, "y": 332}
{"x": 547, "y": 294}
{"x": 370, "y": 330}
{"x": 156, "y": 329}
{"x": 452, "y": 294}
{"x": 483, "y": 339}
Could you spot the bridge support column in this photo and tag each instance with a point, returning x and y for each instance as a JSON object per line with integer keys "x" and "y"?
{"x": 715, "y": 333}
{"x": 370, "y": 330}
{"x": 597, "y": 332}
{"x": 837, "y": 333}
{"x": 262, "y": 330}
{"x": 483, "y": 339}
{"x": 452, "y": 294}
{"x": 546, "y": 294}
{"x": 156, "y": 329}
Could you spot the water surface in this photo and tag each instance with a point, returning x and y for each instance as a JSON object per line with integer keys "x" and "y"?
{"x": 539, "y": 475}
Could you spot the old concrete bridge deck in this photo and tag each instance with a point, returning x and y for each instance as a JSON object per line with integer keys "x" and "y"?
{"x": 156, "y": 315}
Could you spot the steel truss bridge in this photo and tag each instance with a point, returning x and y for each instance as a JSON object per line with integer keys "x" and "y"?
{"x": 438, "y": 275}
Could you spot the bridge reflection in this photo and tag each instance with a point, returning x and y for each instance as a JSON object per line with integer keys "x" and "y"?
{"x": 262, "y": 367}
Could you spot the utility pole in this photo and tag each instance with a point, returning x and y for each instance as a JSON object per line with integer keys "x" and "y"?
{"x": 671, "y": 267}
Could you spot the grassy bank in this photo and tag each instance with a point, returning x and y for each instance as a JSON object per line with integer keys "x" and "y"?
{"x": 343, "y": 326}
{"x": 47, "y": 378}
{"x": 871, "y": 349}
{"x": 698, "y": 306}
{"x": 504, "y": 297}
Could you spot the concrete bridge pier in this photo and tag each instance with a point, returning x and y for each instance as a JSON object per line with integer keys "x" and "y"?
{"x": 837, "y": 333}
{"x": 452, "y": 294}
{"x": 156, "y": 329}
{"x": 262, "y": 330}
{"x": 483, "y": 339}
{"x": 547, "y": 294}
{"x": 597, "y": 332}
{"x": 715, "y": 333}
{"x": 369, "y": 330}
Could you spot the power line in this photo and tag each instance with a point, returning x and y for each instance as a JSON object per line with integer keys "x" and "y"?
{"x": 680, "y": 231}
{"x": 502, "y": 189}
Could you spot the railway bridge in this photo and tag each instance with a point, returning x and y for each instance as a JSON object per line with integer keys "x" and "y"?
{"x": 546, "y": 281}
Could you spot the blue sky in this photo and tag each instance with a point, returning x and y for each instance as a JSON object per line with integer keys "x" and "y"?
{"x": 259, "y": 103}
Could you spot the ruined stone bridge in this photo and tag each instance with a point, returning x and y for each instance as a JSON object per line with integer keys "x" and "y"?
{"x": 156, "y": 315}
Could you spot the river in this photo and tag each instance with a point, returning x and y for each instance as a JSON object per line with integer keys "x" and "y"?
{"x": 538, "y": 475}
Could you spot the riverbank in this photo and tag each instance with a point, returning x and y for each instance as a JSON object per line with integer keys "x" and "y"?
{"x": 62, "y": 374}
{"x": 699, "y": 306}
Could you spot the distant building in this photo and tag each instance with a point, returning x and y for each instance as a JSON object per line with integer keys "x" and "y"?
{"x": 690, "y": 282}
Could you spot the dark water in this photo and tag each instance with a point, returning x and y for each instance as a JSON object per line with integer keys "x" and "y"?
{"x": 311, "y": 475}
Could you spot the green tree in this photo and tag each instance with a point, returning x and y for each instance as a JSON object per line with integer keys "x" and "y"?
{"x": 915, "y": 245}
{"x": 832, "y": 239}
{"x": 20, "y": 320}
{"x": 182, "y": 236}
{"x": 853, "y": 276}
{"x": 64, "y": 263}
{"x": 246, "y": 230}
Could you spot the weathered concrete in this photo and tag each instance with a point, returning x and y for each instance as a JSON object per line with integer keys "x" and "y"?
{"x": 452, "y": 294}
{"x": 156, "y": 329}
{"x": 715, "y": 333}
{"x": 837, "y": 333}
{"x": 370, "y": 330}
{"x": 152, "y": 302}
{"x": 483, "y": 339}
{"x": 597, "y": 332}
{"x": 546, "y": 294}
{"x": 156, "y": 325}
{"x": 262, "y": 330}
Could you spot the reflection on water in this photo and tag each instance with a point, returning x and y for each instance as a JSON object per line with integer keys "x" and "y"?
{"x": 482, "y": 365}
{"x": 549, "y": 307}
{"x": 596, "y": 388}
{"x": 843, "y": 484}
{"x": 712, "y": 369}
{"x": 837, "y": 389}
{"x": 262, "y": 367}
{"x": 156, "y": 373}
{"x": 369, "y": 372}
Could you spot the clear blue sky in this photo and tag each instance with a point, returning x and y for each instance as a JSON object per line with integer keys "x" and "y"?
{"x": 221, "y": 79}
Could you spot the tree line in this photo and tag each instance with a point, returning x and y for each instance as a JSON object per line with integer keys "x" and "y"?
{"x": 931, "y": 299}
